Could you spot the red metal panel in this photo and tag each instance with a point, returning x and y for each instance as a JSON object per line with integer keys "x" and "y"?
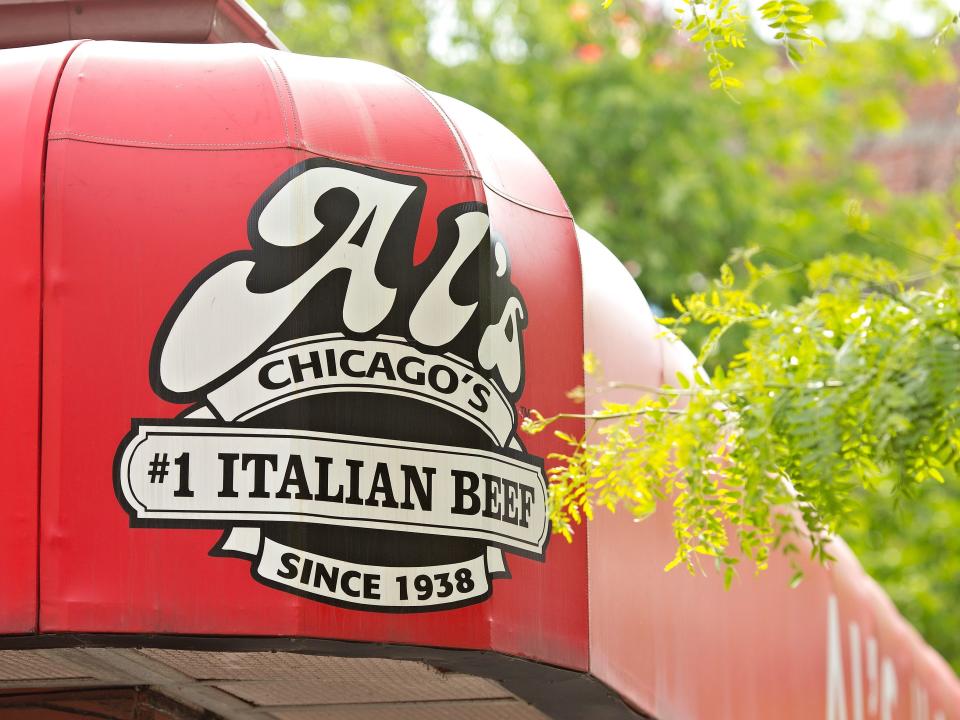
{"x": 185, "y": 97}
{"x": 157, "y": 157}
{"x": 28, "y": 79}
{"x": 681, "y": 647}
{"x": 884, "y": 664}
{"x": 369, "y": 114}
{"x": 547, "y": 619}
{"x": 508, "y": 167}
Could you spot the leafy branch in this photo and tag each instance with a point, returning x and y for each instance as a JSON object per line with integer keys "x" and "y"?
{"x": 790, "y": 22}
{"x": 852, "y": 388}
{"x": 719, "y": 26}
{"x": 716, "y": 25}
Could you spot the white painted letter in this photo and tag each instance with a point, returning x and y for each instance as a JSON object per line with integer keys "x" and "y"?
{"x": 836, "y": 695}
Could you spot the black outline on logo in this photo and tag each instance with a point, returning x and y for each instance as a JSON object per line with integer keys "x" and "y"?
{"x": 194, "y": 524}
{"x": 218, "y": 551}
{"x": 407, "y": 223}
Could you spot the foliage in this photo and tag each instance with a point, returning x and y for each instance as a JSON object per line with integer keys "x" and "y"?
{"x": 854, "y": 386}
{"x": 719, "y": 24}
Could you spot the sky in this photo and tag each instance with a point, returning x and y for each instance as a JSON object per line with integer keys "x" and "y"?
{"x": 911, "y": 14}
{"x": 914, "y": 15}
{"x": 908, "y": 13}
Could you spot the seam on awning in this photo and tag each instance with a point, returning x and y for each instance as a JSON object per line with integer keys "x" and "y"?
{"x": 259, "y": 145}
{"x": 516, "y": 201}
{"x": 43, "y": 199}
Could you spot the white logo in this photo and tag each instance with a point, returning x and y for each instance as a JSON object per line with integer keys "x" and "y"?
{"x": 352, "y": 423}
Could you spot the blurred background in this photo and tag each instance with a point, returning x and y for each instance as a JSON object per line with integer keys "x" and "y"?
{"x": 856, "y": 150}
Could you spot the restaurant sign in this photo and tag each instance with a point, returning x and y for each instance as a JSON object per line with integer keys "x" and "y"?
{"x": 352, "y": 420}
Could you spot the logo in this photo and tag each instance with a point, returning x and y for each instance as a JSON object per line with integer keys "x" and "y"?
{"x": 352, "y": 415}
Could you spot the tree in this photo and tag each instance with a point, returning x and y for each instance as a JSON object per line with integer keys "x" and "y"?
{"x": 620, "y": 108}
{"x": 852, "y": 387}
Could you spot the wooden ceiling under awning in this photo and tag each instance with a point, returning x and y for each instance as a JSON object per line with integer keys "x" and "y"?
{"x": 122, "y": 703}
{"x": 36, "y": 22}
{"x": 167, "y": 684}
